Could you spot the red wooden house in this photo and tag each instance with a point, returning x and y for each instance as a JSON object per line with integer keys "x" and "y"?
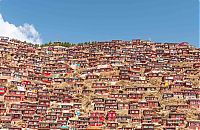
{"x": 194, "y": 103}
{"x": 33, "y": 124}
{"x": 193, "y": 124}
{"x": 2, "y": 108}
{"x": 111, "y": 115}
{"x": 2, "y": 90}
{"x": 148, "y": 126}
{"x": 99, "y": 106}
{"x": 135, "y": 96}
{"x": 96, "y": 118}
{"x": 112, "y": 125}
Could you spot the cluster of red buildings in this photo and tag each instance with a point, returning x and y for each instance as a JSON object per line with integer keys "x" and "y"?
{"x": 124, "y": 85}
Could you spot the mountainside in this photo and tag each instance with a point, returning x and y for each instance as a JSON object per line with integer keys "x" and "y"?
{"x": 132, "y": 85}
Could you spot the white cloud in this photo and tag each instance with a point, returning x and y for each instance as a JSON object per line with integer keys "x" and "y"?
{"x": 26, "y": 32}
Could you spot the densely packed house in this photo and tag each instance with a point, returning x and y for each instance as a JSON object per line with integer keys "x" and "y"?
{"x": 111, "y": 85}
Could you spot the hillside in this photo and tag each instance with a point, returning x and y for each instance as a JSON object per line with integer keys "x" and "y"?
{"x": 116, "y": 84}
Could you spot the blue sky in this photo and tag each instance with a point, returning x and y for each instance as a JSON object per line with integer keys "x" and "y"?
{"x": 100, "y": 20}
